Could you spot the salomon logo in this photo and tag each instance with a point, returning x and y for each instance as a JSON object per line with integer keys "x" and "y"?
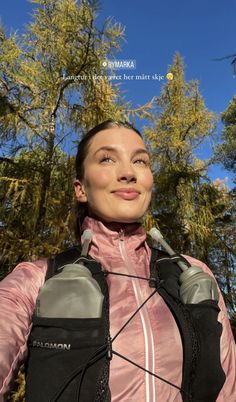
{"x": 50, "y": 345}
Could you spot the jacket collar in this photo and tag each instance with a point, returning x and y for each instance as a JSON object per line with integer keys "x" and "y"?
{"x": 106, "y": 235}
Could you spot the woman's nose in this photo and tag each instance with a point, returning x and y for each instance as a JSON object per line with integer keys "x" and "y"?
{"x": 127, "y": 174}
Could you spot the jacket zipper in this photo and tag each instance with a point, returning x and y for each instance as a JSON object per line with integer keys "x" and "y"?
{"x": 145, "y": 320}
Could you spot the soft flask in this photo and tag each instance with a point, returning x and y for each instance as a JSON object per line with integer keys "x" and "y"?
{"x": 72, "y": 293}
{"x": 196, "y": 285}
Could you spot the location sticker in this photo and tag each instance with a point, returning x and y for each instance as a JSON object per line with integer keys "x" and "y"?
{"x": 169, "y": 76}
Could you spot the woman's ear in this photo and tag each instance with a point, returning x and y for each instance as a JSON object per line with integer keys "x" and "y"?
{"x": 80, "y": 191}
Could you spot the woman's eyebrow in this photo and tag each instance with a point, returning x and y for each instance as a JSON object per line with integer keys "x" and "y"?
{"x": 141, "y": 151}
{"x": 105, "y": 148}
{"x": 113, "y": 149}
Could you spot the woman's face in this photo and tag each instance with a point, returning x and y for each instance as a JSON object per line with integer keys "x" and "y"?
{"x": 117, "y": 182}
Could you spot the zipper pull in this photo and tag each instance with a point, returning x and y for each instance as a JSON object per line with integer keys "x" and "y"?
{"x": 121, "y": 235}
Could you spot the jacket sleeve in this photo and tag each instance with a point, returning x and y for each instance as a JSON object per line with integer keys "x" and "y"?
{"x": 18, "y": 294}
{"x": 227, "y": 345}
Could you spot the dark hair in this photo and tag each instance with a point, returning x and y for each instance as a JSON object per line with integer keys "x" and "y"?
{"x": 82, "y": 151}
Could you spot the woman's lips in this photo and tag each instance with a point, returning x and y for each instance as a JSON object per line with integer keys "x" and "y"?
{"x": 127, "y": 195}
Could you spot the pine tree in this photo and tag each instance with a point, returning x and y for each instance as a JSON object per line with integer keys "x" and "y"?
{"x": 181, "y": 123}
{"x": 226, "y": 151}
{"x": 185, "y": 202}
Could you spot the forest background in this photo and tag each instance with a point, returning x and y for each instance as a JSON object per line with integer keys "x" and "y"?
{"x": 59, "y": 76}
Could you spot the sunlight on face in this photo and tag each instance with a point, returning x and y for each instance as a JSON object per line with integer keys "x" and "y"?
{"x": 118, "y": 181}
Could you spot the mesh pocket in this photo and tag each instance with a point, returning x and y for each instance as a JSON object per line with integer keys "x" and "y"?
{"x": 209, "y": 375}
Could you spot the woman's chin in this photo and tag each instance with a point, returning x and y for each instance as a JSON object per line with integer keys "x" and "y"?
{"x": 119, "y": 216}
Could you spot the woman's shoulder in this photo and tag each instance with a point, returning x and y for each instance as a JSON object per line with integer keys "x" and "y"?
{"x": 26, "y": 276}
{"x": 37, "y": 267}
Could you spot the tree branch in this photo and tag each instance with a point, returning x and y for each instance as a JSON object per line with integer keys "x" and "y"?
{"x": 66, "y": 84}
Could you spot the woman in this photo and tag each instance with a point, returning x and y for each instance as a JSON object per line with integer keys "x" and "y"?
{"x": 113, "y": 188}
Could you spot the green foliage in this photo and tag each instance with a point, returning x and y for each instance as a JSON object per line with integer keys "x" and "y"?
{"x": 18, "y": 392}
{"x": 20, "y": 207}
{"x": 226, "y": 151}
{"x": 48, "y": 72}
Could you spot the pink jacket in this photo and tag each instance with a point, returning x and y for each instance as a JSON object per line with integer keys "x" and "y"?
{"x": 151, "y": 339}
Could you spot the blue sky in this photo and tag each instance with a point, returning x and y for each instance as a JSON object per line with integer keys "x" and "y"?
{"x": 200, "y": 30}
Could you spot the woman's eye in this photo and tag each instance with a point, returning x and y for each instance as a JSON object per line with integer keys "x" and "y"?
{"x": 142, "y": 161}
{"x": 106, "y": 158}
{"x": 109, "y": 159}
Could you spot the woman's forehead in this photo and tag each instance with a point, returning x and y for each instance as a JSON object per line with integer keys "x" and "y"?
{"x": 117, "y": 137}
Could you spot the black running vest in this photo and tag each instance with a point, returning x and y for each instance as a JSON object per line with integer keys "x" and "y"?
{"x": 69, "y": 358}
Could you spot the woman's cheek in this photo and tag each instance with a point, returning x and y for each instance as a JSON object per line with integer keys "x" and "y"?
{"x": 97, "y": 183}
{"x": 102, "y": 178}
{"x": 148, "y": 180}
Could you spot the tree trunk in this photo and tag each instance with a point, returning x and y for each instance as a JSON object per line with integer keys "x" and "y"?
{"x": 46, "y": 177}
